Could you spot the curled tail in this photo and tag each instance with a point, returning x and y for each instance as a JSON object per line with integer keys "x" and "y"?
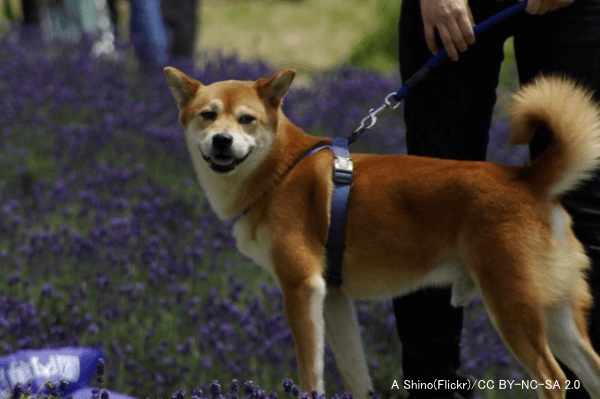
{"x": 570, "y": 114}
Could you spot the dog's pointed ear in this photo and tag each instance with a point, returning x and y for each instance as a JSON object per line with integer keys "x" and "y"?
{"x": 273, "y": 89}
{"x": 182, "y": 86}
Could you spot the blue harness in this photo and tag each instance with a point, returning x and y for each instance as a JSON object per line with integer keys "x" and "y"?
{"x": 342, "y": 177}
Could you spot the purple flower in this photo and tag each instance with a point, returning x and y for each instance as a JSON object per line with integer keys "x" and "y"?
{"x": 100, "y": 367}
{"x": 54, "y": 390}
{"x": 17, "y": 391}
{"x": 233, "y": 389}
{"x": 215, "y": 389}
{"x": 249, "y": 388}
{"x": 180, "y": 394}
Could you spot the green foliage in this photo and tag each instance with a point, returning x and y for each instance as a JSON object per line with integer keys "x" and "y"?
{"x": 379, "y": 48}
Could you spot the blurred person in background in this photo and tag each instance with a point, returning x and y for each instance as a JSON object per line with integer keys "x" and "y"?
{"x": 30, "y": 13}
{"x": 149, "y": 34}
{"x": 178, "y": 16}
{"x": 182, "y": 20}
{"x": 70, "y": 19}
{"x": 158, "y": 29}
{"x": 449, "y": 115}
{"x": 163, "y": 28}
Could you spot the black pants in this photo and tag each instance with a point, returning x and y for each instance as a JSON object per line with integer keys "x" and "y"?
{"x": 448, "y": 115}
{"x": 180, "y": 17}
{"x": 30, "y": 12}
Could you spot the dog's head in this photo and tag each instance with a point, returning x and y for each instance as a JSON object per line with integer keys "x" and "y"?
{"x": 230, "y": 122}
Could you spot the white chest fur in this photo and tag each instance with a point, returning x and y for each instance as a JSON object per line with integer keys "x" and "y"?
{"x": 255, "y": 242}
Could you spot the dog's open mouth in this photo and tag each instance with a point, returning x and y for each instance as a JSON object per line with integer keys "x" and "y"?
{"x": 222, "y": 163}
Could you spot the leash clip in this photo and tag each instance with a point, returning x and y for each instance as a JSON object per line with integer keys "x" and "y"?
{"x": 372, "y": 117}
{"x": 388, "y": 102}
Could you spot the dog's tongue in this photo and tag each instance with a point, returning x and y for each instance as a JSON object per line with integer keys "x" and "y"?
{"x": 222, "y": 161}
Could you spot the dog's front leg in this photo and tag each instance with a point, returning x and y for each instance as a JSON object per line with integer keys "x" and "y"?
{"x": 341, "y": 331}
{"x": 303, "y": 304}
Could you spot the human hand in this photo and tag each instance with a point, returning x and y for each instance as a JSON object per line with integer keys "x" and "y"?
{"x": 453, "y": 21}
{"x": 540, "y": 7}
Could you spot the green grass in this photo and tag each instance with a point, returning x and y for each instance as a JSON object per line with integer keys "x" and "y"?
{"x": 306, "y": 35}
{"x": 378, "y": 49}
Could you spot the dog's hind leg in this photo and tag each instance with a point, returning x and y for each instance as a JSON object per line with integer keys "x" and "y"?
{"x": 521, "y": 324}
{"x": 568, "y": 320}
{"x": 522, "y": 329}
{"x": 569, "y": 341}
{"x": 509, "y": 292}
{"x": 341, "y": 331}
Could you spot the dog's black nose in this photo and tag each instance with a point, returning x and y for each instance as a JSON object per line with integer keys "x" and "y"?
{"x": 222, "y": 141}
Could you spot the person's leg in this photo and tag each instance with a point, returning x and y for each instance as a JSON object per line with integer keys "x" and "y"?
{"x": 85, "y": 15}
{"x": 149, "y": 33}
{"x": 180, "y": 17}
{"x": 447, "y": 115}
{"x": 429, "y": 329}
{"x": 30, "y": 12}
{"x": 567, "y": 41}
{"x": 112, "y": 8}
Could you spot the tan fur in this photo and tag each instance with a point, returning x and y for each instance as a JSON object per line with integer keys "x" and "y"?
{"x": 412, "y": 222}
{"x": 569, "y": 112}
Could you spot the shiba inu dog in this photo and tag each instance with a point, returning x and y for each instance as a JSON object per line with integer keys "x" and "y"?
{"x": 412, "y": 222}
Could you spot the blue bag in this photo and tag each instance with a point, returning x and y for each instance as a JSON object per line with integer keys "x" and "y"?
{"x": 75, "y": 366}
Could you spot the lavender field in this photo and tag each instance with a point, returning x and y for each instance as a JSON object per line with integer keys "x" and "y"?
{"x": 106, "y": 239}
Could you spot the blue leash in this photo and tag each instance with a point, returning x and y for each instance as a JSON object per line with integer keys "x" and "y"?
{"x": 342, "y": 166}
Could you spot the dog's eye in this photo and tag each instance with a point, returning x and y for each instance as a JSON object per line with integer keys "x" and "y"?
{"x": 246, "y": 119}
{"x": 208, "y": 115}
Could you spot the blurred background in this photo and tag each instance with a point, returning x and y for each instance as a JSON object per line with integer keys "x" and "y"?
{"x": 302, "y": 34}
{"x": 309, "y": 36}
{"x": 106, "y": 239}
